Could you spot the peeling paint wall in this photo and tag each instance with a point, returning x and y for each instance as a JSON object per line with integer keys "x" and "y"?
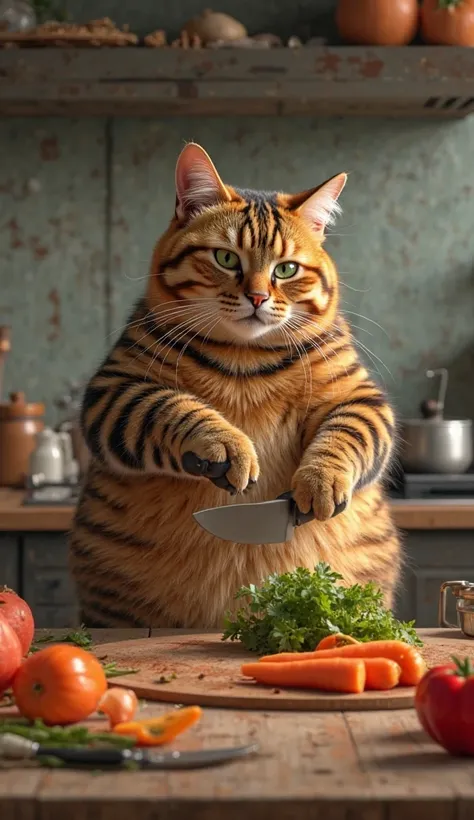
{"x": 82, "y": 202}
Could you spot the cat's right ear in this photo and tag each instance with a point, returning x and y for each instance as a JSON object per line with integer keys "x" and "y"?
{"x": 198, "y": 185}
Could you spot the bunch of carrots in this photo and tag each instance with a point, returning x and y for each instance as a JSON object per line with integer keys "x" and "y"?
{"x": 341, "y": 664}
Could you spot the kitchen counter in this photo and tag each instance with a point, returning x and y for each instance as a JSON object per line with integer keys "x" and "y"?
{"x": 362, "y": 765}
{"x": 409, "y": 514}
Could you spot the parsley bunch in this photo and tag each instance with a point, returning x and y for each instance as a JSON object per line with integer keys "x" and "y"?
{"x": 294, "y": 611}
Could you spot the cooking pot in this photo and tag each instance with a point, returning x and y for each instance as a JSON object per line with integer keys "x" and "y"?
{"x": 463, "y": 591}
{"x": 433, "y": 444}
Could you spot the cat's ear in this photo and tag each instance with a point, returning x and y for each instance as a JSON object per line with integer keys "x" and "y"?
{"x": 198, "y": 185}
{"x": 320, "y": 206}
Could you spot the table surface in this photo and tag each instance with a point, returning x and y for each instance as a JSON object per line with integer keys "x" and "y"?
{"x": 407, "y": 514}
{"x": 354, "y": 766}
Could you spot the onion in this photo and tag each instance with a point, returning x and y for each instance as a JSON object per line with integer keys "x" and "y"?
{"x": 214, "y": 25}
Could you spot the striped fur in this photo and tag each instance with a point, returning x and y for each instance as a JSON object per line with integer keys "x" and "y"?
{"x": 277, "y": 390}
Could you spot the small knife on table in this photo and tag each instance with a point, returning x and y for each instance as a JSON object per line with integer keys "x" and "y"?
{"x": 13, "y": 747}
{"x": 267, "y": 522}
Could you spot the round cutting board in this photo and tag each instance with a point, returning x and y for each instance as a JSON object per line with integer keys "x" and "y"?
{"x": 205, "y": 671}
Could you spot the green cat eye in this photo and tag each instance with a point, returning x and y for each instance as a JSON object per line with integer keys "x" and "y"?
{"x": 285, "y": 270}
{"x": 227, "y": 259}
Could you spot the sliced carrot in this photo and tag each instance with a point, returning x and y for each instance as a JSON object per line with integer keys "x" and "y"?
{"x": 408, "y": 658}
{"x": 160, "y": 730}
{"x": 381, "y": 673}
{"x": 335, "y": 641}
{"x": 330, "y": 675}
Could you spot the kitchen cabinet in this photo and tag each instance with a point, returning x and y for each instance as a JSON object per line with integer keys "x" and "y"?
{"x": 432, "y": 557}
{"x": 36, "y": 565}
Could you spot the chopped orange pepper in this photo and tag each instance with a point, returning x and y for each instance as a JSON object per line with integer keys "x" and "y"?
{"x": 160, "y": 730}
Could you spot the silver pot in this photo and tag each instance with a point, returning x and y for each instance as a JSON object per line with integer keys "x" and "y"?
{"x": 433, "y": 444}
{"x": 463, "y": 591}
{"x": 436, "y": 445}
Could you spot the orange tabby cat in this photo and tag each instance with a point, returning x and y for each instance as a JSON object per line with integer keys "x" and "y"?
{"x": 236, "y": 353}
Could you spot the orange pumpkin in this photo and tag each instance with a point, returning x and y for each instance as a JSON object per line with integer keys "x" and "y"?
{"x": 377, "y": 22}
{"x": 448, "y": 22}
{"x": 61, "y": 684}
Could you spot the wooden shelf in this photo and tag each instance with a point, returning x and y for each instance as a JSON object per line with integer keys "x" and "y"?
{"x": 413, "y": 81}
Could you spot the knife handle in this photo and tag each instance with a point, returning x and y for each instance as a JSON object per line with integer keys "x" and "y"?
{"x": 79, "y": 754}
{"x": 299, "y": 517}
{"x": 215, "y": 471}
{"x": 304, "y": 518}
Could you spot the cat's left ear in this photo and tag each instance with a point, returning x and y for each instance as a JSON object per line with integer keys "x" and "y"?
{"x": 319, "y": 206}
{"x": 198, "y": 185}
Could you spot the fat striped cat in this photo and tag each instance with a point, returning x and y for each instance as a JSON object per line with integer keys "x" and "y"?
{"x": 236, "y": 353}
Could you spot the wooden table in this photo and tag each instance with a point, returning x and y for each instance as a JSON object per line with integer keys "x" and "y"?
{"x": 408, "y": 515}
{"x": 357, "y": 766}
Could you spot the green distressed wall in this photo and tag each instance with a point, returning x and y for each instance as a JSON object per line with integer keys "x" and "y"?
{"x": 82, "y": 201}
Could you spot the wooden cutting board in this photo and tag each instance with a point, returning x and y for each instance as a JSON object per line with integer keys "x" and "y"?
{"x": 205, "y": 671}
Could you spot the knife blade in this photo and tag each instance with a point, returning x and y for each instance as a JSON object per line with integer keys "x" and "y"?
{"x": 264, "y": 522}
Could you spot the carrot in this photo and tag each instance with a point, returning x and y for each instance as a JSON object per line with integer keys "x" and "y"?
{"x": 335, "y": 641}
{"x": 408, "y": 658}
{"x": 381, "y": 673}
{"x": 331, "y": 675}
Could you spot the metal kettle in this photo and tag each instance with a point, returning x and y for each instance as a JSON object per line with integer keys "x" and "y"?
{"x": 433, "y": 444}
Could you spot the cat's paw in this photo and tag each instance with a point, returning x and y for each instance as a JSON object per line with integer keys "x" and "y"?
{"x": 324, "y": 489}
{"x": 226, "y": 456}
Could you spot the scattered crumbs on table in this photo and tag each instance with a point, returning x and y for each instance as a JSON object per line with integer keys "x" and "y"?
{"x": 276, "y": 691}
{"x": 201, "y": 676}
{"x": 166, "y": 678}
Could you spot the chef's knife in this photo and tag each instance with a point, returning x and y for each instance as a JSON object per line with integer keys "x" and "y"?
{"x": 14, "y": 747}
{"x": 267, "y": 522}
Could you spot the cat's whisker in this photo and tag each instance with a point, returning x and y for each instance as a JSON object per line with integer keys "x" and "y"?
{"x": 363, "y": 329}
{"x": 350, "y": 287}
{"x": 312, "y": 341}
{"x": 188, "y": 326}
{"x": 302, "y": 352}
{"x": 136, "y": 323}
{"x": 366, "y": 319}
{"x": 164, "y": 336}
{"x": 373, "y": 356}
{"x": 181, "y": 312}
{"x": 199, "y": 330}
{"x": 169, "y": 335}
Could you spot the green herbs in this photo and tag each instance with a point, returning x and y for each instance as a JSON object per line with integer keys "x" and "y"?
{"x": 66, "y": 736}
{"x": 77, "y": 637}
{"x": 113, "y": 671}
{"x": 294, "y": 611}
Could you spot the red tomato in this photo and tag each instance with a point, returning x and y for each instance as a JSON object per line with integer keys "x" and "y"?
{"x": 444, "y": 703}
{"x": 19, "y": 616}
{"x": 10, "y": 654}
{"x": 61, "y": 684}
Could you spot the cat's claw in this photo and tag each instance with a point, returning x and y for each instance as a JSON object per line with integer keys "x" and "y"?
{"x": 339, "y": 508}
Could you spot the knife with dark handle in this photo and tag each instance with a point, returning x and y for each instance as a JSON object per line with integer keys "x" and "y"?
{"x": 265, "y": 522}
{"x": 13, "y": 747}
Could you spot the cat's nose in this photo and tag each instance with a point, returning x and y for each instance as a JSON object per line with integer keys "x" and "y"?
{"x": 257, "y": 297}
